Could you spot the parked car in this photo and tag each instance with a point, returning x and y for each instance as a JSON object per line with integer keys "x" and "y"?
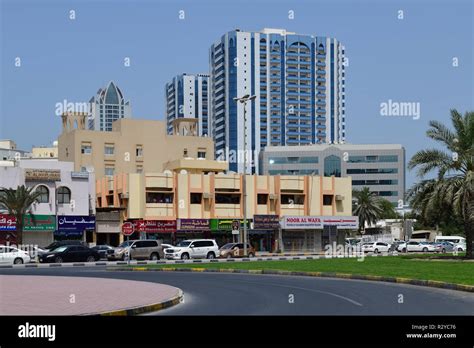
{"x": 419, "y": 246}
{"x": 142, "y": 249}
{"x": 230, "y": 250}
{"x": 166, "y": 246}
{"x": 59, "y": 243}
{"x": 443, "y": 247}
{"x": 193, "y": 249}
{"x": 102, "y": 250}
{"x": 10, "y": 255}
{"x": 70, "y": 253}
{"x": 376, "y": 247}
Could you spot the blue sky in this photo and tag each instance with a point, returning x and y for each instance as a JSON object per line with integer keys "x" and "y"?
{"x": 407, "y": 60}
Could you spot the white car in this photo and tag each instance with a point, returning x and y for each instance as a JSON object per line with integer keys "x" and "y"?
{"x": 10, "y": 255}
{"x": 460, "y": 247}
{"x": 193, "y": 249}
{"x": 418, "y": 246}
{"x": 376, "y": 247}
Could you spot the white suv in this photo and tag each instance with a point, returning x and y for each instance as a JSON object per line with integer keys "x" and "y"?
{"x": 193, "y": 249}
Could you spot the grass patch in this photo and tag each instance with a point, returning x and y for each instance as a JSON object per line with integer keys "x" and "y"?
{"x": 448, "y": 271}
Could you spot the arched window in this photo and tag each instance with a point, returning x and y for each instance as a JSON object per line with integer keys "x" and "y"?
{"x": 44, "y": 194}
{"x": 332, "y": 166}
{"x": 64, "y": 195}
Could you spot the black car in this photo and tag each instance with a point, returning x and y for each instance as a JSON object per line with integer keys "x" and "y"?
{"x": 70, "y": 253}
{"x": 102, "y": 250}
{"x": 59, "y": 243}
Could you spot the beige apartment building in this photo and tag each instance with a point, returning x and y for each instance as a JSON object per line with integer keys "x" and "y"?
{"x": 286, "y": 213}
{"x": 135, "y": 146}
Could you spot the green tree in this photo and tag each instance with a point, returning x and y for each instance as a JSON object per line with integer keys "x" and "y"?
{"x": 18, "y": 203}
{"x": 367, "y": 206}
{"x": 452, "y": 189}
{"x": 388, "y": 210}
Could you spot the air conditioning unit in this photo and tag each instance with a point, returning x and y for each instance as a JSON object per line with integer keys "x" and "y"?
{"x": 124, "y": 195}
{"x": 339, "y": 197}
{"x": 273, "y": 196}
{"x": 207, "y": 195}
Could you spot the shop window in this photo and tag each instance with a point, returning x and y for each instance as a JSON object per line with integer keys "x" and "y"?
{"x": 196, "y": 198}
{"x": 228, "y": 198}
{"x": 262, "y": 198}
{"x": 159, "y": 197}
{"x": 292, "y": 199}
{"x": 327, "y": 199}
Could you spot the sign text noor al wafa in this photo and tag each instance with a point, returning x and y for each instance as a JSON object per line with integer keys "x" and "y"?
{"x": 318, "y": 222}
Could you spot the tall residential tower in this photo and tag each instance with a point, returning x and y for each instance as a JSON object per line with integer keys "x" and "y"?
{"x": 298, "y": 81}
{"x": 187, "y": 96}
{"x": 107, "y": 106}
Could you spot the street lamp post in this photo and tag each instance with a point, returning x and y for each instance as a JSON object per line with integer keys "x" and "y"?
{"x": 244, "y": 101}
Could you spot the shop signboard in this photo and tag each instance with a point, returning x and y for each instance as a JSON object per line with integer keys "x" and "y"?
{"x": 7, "y": 222}
{"x": 318, "y": 222}
{"x": 266, "y": 222}
{"x": 75, "y": 224}
{"x": 39, "y": 223}
{"x": 342, "y": 222}
{"x": 193, "y": 225}
{"x": 155, "y": 226}
{"x": 226, "y": 224}
{"x": 42, "y": 175}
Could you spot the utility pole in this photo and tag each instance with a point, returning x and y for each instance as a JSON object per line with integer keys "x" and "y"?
{"x": 244, "y": 101}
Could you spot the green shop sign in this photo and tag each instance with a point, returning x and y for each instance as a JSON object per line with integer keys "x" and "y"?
{"x": 226, "y": 224}
{"x": 43, "y": 223}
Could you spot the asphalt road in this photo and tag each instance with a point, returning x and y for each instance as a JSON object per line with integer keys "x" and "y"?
{"x": 242, "y": 294}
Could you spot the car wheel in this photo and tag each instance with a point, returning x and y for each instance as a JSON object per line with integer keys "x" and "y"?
{"x": 210, "y": 255}
{"x": 425, "y": 250}
{"x": 123, "y": 257}
{"x": 376, "y": 251}
{"x": 185, "y": 256}
{"x": 459, "y": 249}
{"x": 251, "y": 255}
{"x": 404, "y": 250}
{"x": 229, "y": 255}
{"x": 18, "y": 261}
{"x": 90, "y": 259}
{"x": 154, "y": 257}
{"x": 443, "y": 251}
{"x": 58, "y": 259}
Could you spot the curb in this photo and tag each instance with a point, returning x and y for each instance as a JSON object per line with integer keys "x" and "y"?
{"x": 174, "y": 262}
{"x": 154, "y": 307}
{"x": 418, "y": 282}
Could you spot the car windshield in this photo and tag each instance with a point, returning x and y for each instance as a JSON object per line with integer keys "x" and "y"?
{"x": 228, "y": 246}
{"x": 60, "y": 249}
{"x": 126, "y": 244}
{"x": 184, "y": 243}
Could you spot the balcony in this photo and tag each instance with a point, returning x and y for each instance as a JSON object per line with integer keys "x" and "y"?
{"x": 321, "y": 95}
{"x": 321, "y": 103}
{"x": 321, "y": 56}
{"x": 321, "y": 119}
{"x": 321, "y": 126}
{"x": 320, "y": 72}
{"x": 321, "y": 88}
{"x": 320, "y": 111}
{"x": 322, "y": 64}
{"x": 320, "y": 79}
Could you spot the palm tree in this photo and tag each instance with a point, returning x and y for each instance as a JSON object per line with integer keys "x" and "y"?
{"x": 367, "y": 206}
{"x": 18, "y": 203}
{"x": 453, "y": 186}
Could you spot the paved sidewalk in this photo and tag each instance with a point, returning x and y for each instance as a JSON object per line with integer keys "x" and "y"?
{"x": 44, "y": 295}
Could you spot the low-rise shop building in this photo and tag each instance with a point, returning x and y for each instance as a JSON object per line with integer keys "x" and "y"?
{"x": 172, "y": 206}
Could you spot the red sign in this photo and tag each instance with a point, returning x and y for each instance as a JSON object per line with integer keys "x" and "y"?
{"x": 155, "y": 226}
{"x": 128, "y": 228}
{"x": 7, "y": 223}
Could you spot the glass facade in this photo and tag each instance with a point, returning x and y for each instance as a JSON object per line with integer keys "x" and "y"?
{"x": 332, "y": 166}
